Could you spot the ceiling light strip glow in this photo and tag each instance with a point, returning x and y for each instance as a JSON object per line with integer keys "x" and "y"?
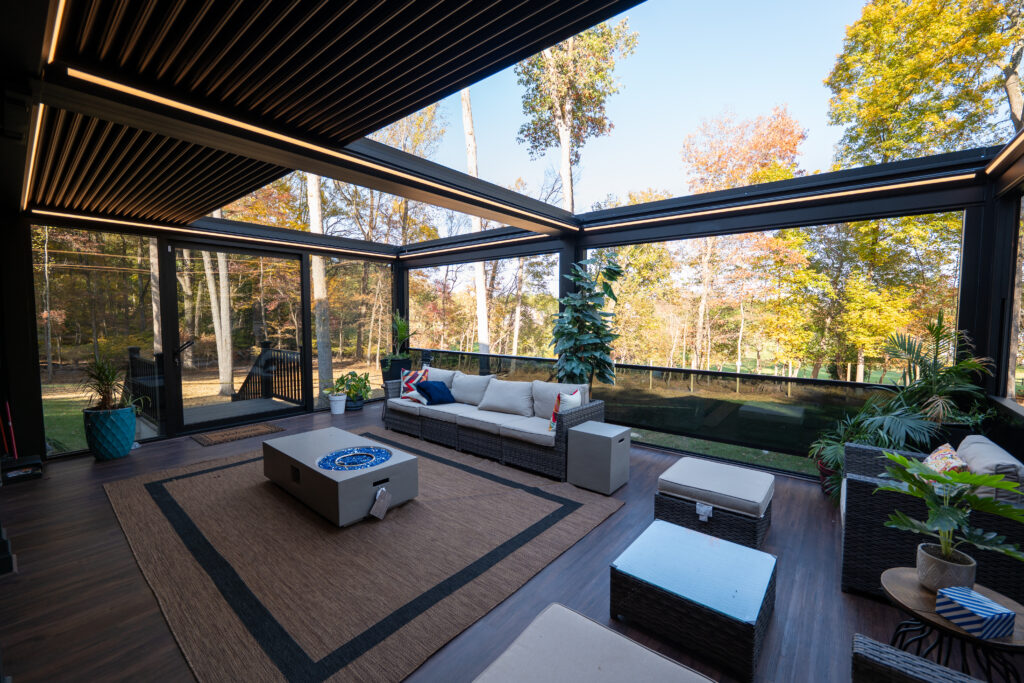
{"x": 57, "y": 23}
{"x": 470, "y": 246}
{"x": 26, "y": 189}
{"x": 181, "y": 106}
{"x": 781, "y": 202}
{"x": 207, "y": 233}
{"x": 1010, "y": 148}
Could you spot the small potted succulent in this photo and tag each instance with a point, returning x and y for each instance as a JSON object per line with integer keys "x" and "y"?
{"x": 950, "y": 497}
{"x": 357, "y": 389}
{"x": 110, "y": 420}
{"x": 337, "y": 394}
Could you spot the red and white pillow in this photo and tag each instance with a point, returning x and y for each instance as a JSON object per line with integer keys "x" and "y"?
{"x": 564, "y": 402}
{"x": 409, "y": 380}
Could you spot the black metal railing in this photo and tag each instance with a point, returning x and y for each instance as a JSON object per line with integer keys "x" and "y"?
{"x": 144, "y": 383}
{"x": 277, "y": 373}
{"x": 767, "y": 412}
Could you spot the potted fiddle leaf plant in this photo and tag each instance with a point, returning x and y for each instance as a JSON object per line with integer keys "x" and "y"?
{"x": 583, "y": 332}
{"x": 357, "y": 389}
{"x": 392, "y": 364}
{"x": 110, "y": 419}
{"x": 950, "y": 497}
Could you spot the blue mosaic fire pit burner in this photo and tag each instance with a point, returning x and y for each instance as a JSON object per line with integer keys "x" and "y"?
{"x": 359, "y": 458}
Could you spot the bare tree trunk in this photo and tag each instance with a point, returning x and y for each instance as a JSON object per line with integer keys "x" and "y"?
{"x": 321, "y": 311}
{"x": 706, "y": 252}
{"x": 860, "y": 364}
{"x": 518, "y": 315}
{"x": 222, "y": 336}
{"x": 364, "y": 283}
{"x": 154, "y": 295}
{"x": 563, "y": 124}
{"x": 1011, "y": 83}
{"x": 483, "y": 339}
{"x": 46, "y": 304}
{"x": 187, "y": 295}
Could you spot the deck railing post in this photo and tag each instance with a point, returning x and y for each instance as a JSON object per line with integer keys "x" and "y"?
{"x": 266, "y": 376}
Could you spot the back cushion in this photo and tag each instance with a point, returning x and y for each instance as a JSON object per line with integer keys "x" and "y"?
{"x": 545, "y": 393}
{"x": 439, "y": 375}
{"x": 515, "y": 398}
{"x": 470, "y": 388}
{"x": 985, "y": 457}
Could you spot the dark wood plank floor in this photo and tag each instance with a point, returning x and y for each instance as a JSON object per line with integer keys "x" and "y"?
{"x": 80, "y": 609}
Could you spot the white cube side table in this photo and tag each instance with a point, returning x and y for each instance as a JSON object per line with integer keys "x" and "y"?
{"x": 598, "y": 457}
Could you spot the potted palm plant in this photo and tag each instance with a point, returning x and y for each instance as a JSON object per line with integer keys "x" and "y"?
{"x": 950, "y": 498}
{"x": 357, "y": 389}
{"x": 110, "y": 420}
{"x": 392, "y": 364}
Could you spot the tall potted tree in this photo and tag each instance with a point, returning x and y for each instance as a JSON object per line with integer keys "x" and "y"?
{"x": 392, "y": 364}
{"x": 110, "y": 420}
{"x": 583, "y": 332}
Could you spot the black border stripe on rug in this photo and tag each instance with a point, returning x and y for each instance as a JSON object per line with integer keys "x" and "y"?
{"x": 282, "y": 649}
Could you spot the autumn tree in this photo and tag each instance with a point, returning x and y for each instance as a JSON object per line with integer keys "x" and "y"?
{"x": 566, "y": 89}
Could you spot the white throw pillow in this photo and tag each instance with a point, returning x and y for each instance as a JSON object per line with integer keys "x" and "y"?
{"x": 564, "y": 402}
{"x": 514, "y": 398}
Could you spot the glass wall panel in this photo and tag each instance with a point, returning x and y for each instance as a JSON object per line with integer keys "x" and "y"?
{"x": 96, "y": 295}
{"x": 519, "y": 297}
{"x": 240, "y": 324}
{"x": 1015, "y": 381}
{"x": 351, "y": 317}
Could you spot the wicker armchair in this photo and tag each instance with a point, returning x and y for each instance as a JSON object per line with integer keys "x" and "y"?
{"x": 873, "y": 662}
{"x": 869, "y": 547}
{"x": 549, "y": 461}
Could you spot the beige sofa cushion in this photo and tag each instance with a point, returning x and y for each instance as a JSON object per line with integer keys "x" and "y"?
{"x": 405, "y": 405}
{"x": 485, "y": 420}
{"x": 561, "y": 646}
{"x": 983, "y": 456}
{"x": 514, "y": 398}
{"x": 469, "y": 388}
{"x": 532, "y": 429}
{"x": 447, "y": 412}
{"x": 439, "y": 375}
{"x": 737, "y": 489}
{"x": 544, "y": 394}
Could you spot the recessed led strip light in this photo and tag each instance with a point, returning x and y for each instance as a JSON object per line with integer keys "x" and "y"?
{"x": 181, "y": 106}
{"x": 26, "y": 189}
{"x": 781, "y": 202}
{"x": 207, "y": 233}
{"x": 470, "y": 246}
{"x": 57, "y": 23}
{"x": 1016, "y": 142}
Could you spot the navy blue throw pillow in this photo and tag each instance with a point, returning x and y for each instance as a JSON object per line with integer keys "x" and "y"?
{"x": 436, "y": 393}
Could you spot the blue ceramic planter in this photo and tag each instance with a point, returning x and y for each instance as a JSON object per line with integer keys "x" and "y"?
{"x": 109, "y": 433}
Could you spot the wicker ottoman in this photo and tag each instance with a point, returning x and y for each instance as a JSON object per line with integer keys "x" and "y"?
{"x": 712, "y": 597}
{"x": 730, "y": 502}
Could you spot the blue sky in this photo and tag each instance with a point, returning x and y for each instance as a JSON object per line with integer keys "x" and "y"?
{"x": 693, "y": 61}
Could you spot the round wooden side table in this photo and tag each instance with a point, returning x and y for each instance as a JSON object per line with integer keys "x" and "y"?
{"x": 990, "y": 656}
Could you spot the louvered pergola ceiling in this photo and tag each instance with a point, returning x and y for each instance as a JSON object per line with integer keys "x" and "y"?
{"x": 322, "y": 72}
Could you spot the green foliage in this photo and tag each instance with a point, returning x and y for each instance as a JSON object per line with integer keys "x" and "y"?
{"x": 583, "y": 334}
{"x": 400, "y": 336}
{"x": 353, "y": 385}
{"x": 570, "y": 83}
{"x": 104, "y": 382}
{"x": 950, "y": 497}
{"x": 939, "y": 371}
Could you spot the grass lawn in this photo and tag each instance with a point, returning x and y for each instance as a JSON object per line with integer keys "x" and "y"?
{"x": 754, "y": 456}
{"x": 62, "y": 419}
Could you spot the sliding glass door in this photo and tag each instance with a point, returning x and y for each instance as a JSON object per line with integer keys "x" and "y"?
{"x": 240, "y": 331}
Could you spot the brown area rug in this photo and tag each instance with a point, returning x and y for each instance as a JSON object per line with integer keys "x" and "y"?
{"x": 256, "y": 586}
{"x": 236, "y": 433}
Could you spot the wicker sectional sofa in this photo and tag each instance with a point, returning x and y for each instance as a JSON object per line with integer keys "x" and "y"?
{"x": 869, "y": 547}
{"x": 513, "y": 439}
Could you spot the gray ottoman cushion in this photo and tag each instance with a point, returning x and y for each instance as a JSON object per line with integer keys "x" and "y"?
{"x": 561, "y": 646}
{"x": 737, "y": 489}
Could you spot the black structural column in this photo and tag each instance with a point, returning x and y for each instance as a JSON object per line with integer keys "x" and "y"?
{"x": 305, "y": 279}
{"x": 171, "y": 336}
{"x": 569, "y": 253}
{"x": 986, "y": 281}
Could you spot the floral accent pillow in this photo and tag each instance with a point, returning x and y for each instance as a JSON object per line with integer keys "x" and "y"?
{"x": 945, "y": 459}
{"x": 564, "y": 402}
{"x": 410, "y": 378}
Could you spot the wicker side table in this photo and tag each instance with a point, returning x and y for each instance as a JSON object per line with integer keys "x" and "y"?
{"x": 710, "y": 596}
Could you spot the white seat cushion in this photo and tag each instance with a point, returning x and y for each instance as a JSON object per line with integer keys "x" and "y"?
{"x": 531, "y": 429}
{"x": 545, "y": 393}
{"x": 514, "y": 398}
{"x": 405, "y": 405}
{"x": 485, "y": 420}
{"x": 446, "y": 412}
{"x": 737, "y": 489}
{"x": 561, "y": 646}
